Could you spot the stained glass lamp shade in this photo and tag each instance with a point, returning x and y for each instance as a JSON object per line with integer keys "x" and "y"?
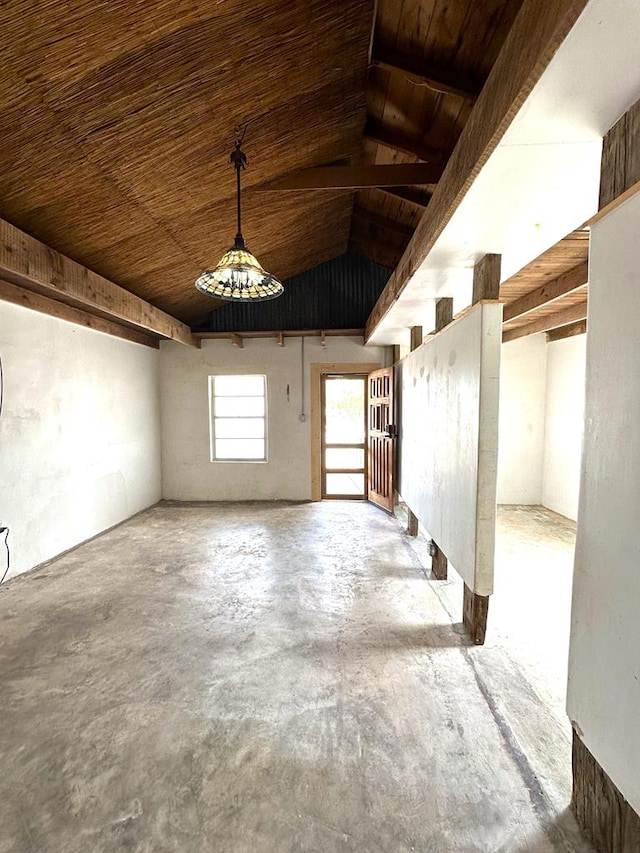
{"x": 238, "y": 276}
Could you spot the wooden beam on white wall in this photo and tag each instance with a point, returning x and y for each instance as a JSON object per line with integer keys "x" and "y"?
{"x": 548, "y": 292}
{"x": 570, "y": 331}
{"x": 28, "y": 263}
{"x": 37, "y": 302}
{"x": 538, "y": 31}
{"x": 563, "y": 317}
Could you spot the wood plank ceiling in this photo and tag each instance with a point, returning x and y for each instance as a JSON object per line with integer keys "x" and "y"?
{"x": 117, "y": 121}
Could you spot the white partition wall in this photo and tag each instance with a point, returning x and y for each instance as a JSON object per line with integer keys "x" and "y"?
{"x": 450, "y": 389}
{"x": 604, "y": 663}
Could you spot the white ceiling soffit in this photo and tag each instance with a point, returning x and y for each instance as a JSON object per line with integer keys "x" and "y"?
{"x": 542, "y": 181}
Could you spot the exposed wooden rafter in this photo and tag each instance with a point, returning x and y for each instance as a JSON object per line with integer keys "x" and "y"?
{"x": 419, "y": 198}
{"x": 30, "y": 264}
{"x": 356, "y": 177}
{"x": 438, "y": 80}
{"x": 562, "y": 317}
{"x": 397, "y": 141}
{"x": 539, "y": 29}
{"x": 382, "y": 221}
{"x": 548, "y": 292}
{"x": 569, "y": 331}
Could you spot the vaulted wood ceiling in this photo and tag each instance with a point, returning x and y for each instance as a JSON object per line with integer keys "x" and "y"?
{"x": 117, "y": 120}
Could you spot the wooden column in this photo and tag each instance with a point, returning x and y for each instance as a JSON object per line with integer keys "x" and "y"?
{"x": 444, "y": 312}
{"x": 412, "y": 520}
{"x": 475, "y": 609}
{"x": 486, "y": 278}
{"x": 603, "y": 814}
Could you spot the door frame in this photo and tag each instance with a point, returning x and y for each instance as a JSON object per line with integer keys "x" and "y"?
{"x": 318, "y": 370}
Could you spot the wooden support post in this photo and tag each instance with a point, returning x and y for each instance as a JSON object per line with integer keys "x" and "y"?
{"x": 280, "y": 339}
{"x": 444, "y": 312}
{"x": 395, "y": 354}
{"x": 439, "y": 563}
{"x": 236, "y": 340}
{"x": 475, "y": 609}
{"x": 412, "y": 520}
{"x": 603, "y": 814}
{"x": 412, "y": 523}
{"x": 486, "y": 278}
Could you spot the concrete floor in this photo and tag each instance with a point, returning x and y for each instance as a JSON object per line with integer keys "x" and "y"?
{"x": 269, "y": 679}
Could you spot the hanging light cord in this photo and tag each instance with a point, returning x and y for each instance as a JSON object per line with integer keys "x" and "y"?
{"x": 239, "y": 160}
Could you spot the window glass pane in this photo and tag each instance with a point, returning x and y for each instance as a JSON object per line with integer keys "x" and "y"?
{"x": 242, "y": 407}
{"x": 239, "y": 427}
{"x": 238, "y": 386}
{"x": 344, "y": 411}
{"x": 239, "y": 448}
{"x": 345, "y": 484}
{"x": 344, "y": 457}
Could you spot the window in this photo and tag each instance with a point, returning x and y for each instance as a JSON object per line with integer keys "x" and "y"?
{"x": 238, "y": 408}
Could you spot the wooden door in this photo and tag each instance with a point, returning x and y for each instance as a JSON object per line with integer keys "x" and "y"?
{"x": 381, "y": 439}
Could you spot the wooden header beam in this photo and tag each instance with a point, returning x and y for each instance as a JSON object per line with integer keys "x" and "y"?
{"x": 279, "y": 336}
{"x": 539, "y": 29}
{"x": 551, "y": 290}
{"x": 36, "y": 302}
{"x": 563, "y": 317}
{"x": 356, "y": 177}
{"x": 28, "y": 263}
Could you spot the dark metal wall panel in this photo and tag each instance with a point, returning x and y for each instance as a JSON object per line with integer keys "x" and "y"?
{"x": 338, "y": 294}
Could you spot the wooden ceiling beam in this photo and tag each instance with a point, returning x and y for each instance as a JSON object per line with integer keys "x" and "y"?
{"x": 396, "y": 141}
{"x": 28, "y": 263}
{"x": 565, "y": 316}
{"x": 548, "y": 292}
{"x": 383, "y": 222}
{"x": 569, "y": 331}
{"x": 416, "y": 197}
{"x": 356, "y": 177}
{"x": 539, "y": 29}
{"x": 417, "y": 71}
{"x": 36, "y": 302}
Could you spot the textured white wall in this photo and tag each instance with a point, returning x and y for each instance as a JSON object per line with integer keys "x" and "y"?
{"x": 449, "y": 440}
{"x": 79, "y": 432}
{"x": 564, "y": 419}
{"x": 187, "y": 472}
{"x": 523, "y": 377}
{"x": 604, "y": 664}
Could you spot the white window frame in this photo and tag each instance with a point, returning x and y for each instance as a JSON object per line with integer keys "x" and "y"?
{"x": 212, "y": 418}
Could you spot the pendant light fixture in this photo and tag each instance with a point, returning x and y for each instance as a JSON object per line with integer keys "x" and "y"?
{"x": 238, "y": 276}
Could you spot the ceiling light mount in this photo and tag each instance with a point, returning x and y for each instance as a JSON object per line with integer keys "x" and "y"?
{"x": 238, "y": 277}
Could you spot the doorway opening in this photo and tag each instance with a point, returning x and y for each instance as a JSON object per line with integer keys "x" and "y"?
{"x": 343, "y": 437}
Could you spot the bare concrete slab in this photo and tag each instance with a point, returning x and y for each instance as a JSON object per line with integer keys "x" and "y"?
{"x": 259, "y": 679}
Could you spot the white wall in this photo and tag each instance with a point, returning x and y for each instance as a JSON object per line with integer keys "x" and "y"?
{"x": 541, "y": 421}
{"x": 449, "y": 435}
{"x": 604, "y": 664}
{"x": 564, "y": 417}
{"x": 79, "y": 432}
{"x": 523, "y": 379}
{"x": 187, "y": 472}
